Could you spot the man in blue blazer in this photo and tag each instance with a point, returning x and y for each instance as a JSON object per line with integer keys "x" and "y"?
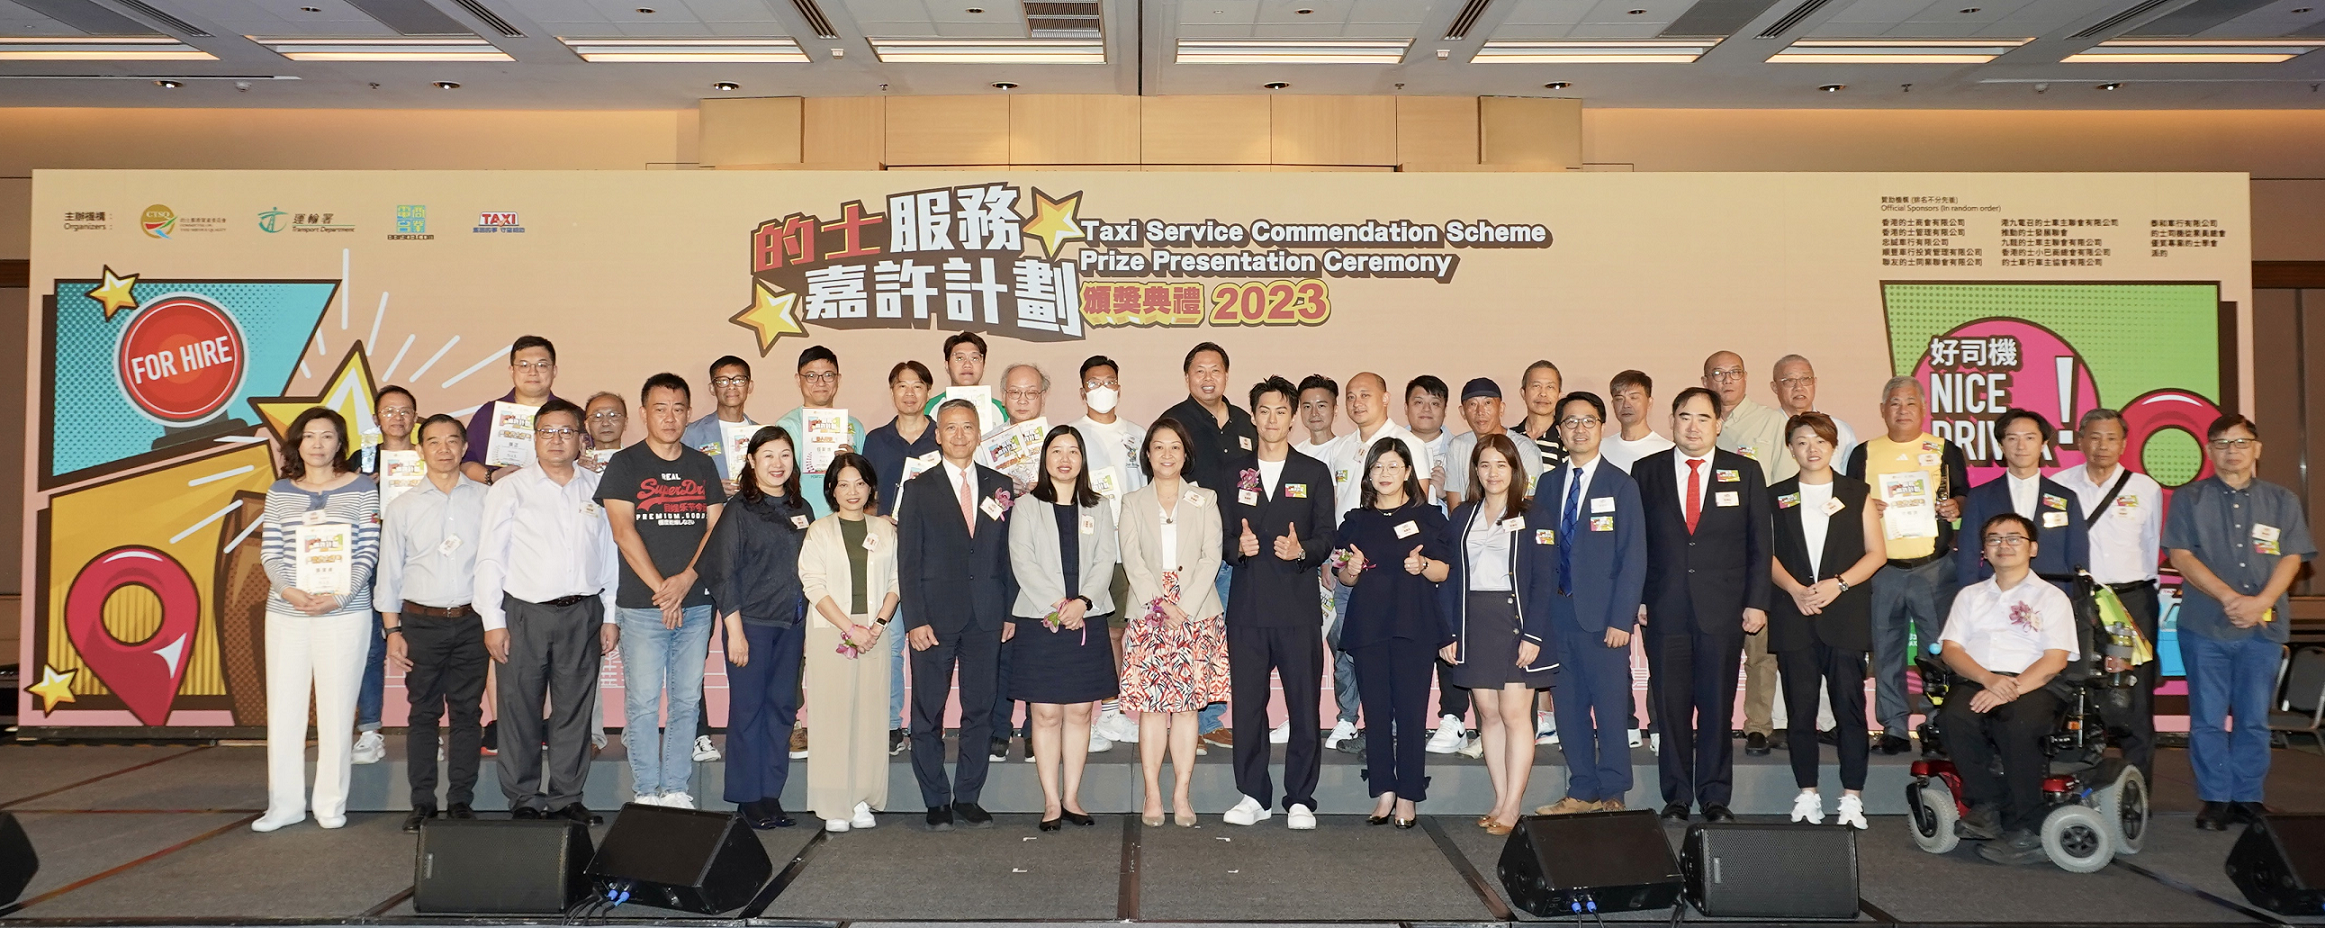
{"x": 952, "y": 574}
{"x": 1710, "y": 541}
{"x": 1584, "y": 538}
{"x": 2057, "y": 515}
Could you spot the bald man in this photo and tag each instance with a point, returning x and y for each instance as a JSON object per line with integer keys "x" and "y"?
{"x": 1756, "y": 432}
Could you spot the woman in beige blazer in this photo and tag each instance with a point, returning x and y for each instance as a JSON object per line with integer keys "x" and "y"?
{"x": 1062, "y": 551}
{"x": 847, "y": 570}
{"x": 1175, "y": 649}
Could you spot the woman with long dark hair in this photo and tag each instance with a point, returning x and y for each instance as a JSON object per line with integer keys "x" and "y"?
{"x": 1492, "y": 656}
{"x": 319, "y": 545}
{"x": 1062, "y": 553}
{"x": 1392, "y": 558}
{"x": 1175, "y": 648}
{"x": 755, "y": 553}
{"x": 848, "y": 571}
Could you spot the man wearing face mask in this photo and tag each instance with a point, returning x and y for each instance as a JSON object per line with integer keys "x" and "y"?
{"x": 1110, "y": 455}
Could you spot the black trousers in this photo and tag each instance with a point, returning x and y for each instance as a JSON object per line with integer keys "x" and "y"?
{"x": 1695, "y": 682}
{"x": 447, "y": 678}
{"x": 1841, "y": 674}
{"x": 1296, "y": 654}
{"x": 2138, "y": 718}
{"x": 2014, "y": 732}
{"x": 1392, "y": 679}
{"x": 553, "y": 650}
{"x": 1451, "y": 700}
{"x": 976, "y": 655}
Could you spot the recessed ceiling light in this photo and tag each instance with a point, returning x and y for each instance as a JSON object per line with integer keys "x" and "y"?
{"x": 1005, "y": 85}
{"x": 1303, "y": 12}
{"x": 1638, "y": 12}
{"x": 1969, "y": 10}
{"x": 2302, "y": 10}
{"x": 168, "y": 85}
{"x": 726, "y": 85}
{"x": 976, "y": 9}
{"x": 1557, "y": 85}
{"x": 1276, "y": 85}
{"x": 447, "y": 85}
{"x": 1834, "y": 88}
{"x": 2111, "y": 85}
{"x": 310, "y": 9}
{"x": 646, "y": 9}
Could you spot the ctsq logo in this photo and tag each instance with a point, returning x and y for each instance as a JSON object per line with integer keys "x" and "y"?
{"x": 158, "y": 221}
{"x": 181, "y": 359}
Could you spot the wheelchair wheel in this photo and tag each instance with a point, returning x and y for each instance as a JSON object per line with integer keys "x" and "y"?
{"x": 2077, "y": 839}
{"x": 1933, "y": 819}
{"x": 2123, "y": 804}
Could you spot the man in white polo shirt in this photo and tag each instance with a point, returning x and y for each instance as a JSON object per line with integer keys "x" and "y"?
{"x": 2006, "y": 637}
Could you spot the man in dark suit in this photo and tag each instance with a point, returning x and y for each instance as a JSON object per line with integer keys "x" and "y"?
{"x": 952, "y": 572}
{"x": 1589, "y": 555}
{"x": 2066, "y": 537}
{"x": 1277, "y": 536}
{"x": 1709, "y": 544}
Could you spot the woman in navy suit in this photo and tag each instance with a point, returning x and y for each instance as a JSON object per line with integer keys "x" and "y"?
{"x": 1492, "y": 655}
{"x": 1828, "y": 547}
{"x": 1394, "y": 559}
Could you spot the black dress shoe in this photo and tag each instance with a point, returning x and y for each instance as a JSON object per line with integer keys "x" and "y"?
{"x": 1376, "y": 819}
{"x": 1675, "y": 812}
{"x": 2213, "y": 817}
{"x": 1406, "y": 822}
{"x": 940, "y": 819}
{"x": 579, "y": 813}
{"x": 773, "y": 810}
{"x": 1079, "y": 820}
{"x": 1756, "y": 744}
{"x": 2246, "y": 813}
{"x": 998, "y": 750}
{"x": 1831, "y": 736}
{"x": 1052, "y": 824}
{"x": 1714, "y": 812}
{"x": 525, "y": 812}
{"x": 973, "y": 815}
{"x": 897, "y": 742}
{"x": 461, "y": 811}
{"x": 412, "y": 821}
{"x": 2016, "y": 849}
{"x": 1891, "y": 744}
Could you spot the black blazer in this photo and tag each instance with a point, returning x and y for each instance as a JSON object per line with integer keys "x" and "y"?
{"x": 1846, "y": 623}
{"x": 1453, "y": 594}
{"x": 1705, "y": 580}
{"x": 944, "y": 577}
{"x": 1267, "y": 591}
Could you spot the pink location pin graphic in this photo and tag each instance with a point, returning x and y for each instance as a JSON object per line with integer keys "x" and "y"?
{"x": 144, "y": 674}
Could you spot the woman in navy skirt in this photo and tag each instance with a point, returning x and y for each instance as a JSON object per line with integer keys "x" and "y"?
{"x": 1393, "y": 558}
{"x": 1492, "y": 654}
{"x": 1062, "y": 550}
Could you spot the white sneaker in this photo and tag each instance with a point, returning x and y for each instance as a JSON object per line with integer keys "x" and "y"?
{"x": 1472, "y": 748}
{"x": 1098, "y": 742}
{"x": 1281, "y": 734}
{"x": 1447, "y": 738}
{"x": 1655, "y": 742}
{"x": 835, "y": 825}
{"x": 1636, "y": 738}
{"x": 1341, "y": 731}
{"x": 597, "y": 741}
{"x": 1116, "y": 726}
{"x": 267, "y": 823}
{"x": 704, "y": 751}
{"x": 1545, "y": 728}
{"x": 370, "y": 748}
{"x": 1248, "y": 812}
{"x": 1852, "y": 812}
{"x": 644, "y": 799}
{"x": 1300, "y": 818}
{"x": 1809, "y": 807}
{"x": 863, "y": 817}
{"x": 677, "y": 801}
{"x": 330, "y": 821}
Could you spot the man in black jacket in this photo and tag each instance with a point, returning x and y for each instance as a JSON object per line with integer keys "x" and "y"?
{"x": 952, "y": 571}
{"x": 1708, "y": 552}
{"x": 1278, "y": 521}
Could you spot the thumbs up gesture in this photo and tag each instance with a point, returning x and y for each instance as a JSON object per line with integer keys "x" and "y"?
{"x": 1288, "y": 543}
{"x": 1414, "y": 562}
{"x": 1250, "y": 543}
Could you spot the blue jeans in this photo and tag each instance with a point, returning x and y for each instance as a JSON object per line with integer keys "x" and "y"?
{"x": 1344, "y": 691}
{"x": 655, "y": 661}
{"x": 1213, "y": 717}
{"x": 2229, "y": 679}
{"x": 374, "y": 691}
{"x": 895, "y": 635}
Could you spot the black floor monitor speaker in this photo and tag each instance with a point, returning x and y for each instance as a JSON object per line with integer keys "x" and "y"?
{"x": 17, "y": 861}
{"x": 500, "y": 867}
{"x": 1785, "y": 871}
{"x": 1558, "y": 865}
{"x": 685, "y": 859}
{"x": 2279, "y": 864}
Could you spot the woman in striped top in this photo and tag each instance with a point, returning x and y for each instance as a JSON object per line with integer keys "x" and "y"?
{"x": 320, "y": 543}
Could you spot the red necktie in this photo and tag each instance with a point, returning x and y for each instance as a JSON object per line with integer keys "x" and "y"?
{"x": 1694, "y": 494}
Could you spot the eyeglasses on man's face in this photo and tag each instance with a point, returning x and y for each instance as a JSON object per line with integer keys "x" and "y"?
{"x": 2007, "y": 541}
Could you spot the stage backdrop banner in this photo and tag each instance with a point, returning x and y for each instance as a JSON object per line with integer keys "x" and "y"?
{"x": 185, "y": 317}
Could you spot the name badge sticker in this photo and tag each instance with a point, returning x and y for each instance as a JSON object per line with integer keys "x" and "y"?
{"x": 314, "y": 517}
{"x": 1193, "y": 497}
{"x": 1513, "y": 523}
{"x": 1295, "y": 491}
{"x": 1788, "y": 501}
{"x": 799, "y": 522}
{"x": 2054, "y": 520}
{"x": 1602, "y": 504}
{"x": 991, "y": 508}
{"x": 1929, "y": 459}
{"x": 1089, "y": 524}
{"x": 1834, "y": 506}
{"x": 1247, "y": 497}
{"x": 450, "y": 544}
{"x": 871, "y": 542}
{"x": 589, "y": 509}
{"x": 1246, "y": 441}
{"x": 1602, "y": 523}
{"x": 1727, "y": 476}
{"x": 2264, "y": 539}
{"x": 1725, "y": 498}
{"x": 1543, "y": 536}
{"x": 1408, "y": 529}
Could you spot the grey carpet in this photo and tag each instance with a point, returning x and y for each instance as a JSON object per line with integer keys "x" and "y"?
{"x": 1007, "y": 872}
{"x": 32, "y": 769}
{"x": 73, "y": 846}
{"x": 1345, "y": 869}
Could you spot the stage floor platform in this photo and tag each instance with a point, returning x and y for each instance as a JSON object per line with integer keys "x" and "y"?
{"x": 158, "y": 835}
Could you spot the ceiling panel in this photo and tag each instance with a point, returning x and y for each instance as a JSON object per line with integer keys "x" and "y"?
{"x": 2273, "y": 19}
{"x": 288, "y": 18}
{"x": 17, "y": 20}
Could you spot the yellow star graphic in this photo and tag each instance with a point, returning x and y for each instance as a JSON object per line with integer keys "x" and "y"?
{"x": 53, "y": 687}
{"x": 1054, "y": 221}
{"x": 114, "y": 293}
{"x": 349, "y": 392}
{"x": 770, "y": 316}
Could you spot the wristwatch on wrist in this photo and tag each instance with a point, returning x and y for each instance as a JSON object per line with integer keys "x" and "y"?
{"x": 1844, "y": 583}
{"x": 395, "y": 630}
{"x": 1086, "y": 603}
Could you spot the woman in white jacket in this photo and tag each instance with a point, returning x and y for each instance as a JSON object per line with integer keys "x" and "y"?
{"x": 847, "y": 570}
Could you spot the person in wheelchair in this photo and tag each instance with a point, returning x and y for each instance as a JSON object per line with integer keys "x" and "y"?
{"x": 2006, "y": 637}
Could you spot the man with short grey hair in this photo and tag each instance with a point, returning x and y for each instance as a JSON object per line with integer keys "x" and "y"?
{"x": 1757, "y": 432}
{"x": 2125, "y": 512}
{"x": 1911, "y": 594}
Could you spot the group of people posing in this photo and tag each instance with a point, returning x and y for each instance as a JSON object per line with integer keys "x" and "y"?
{"x": 1166, "y": 572}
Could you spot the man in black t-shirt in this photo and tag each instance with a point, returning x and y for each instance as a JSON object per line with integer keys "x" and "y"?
{"x": 1218, "y": 434}
{"x": 662, "y": 499}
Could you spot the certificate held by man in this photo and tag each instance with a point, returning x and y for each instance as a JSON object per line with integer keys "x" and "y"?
{"x": 399, "y": 471}
{"x": 511, "y": 444}
{"x": 1912, "y": 505}
{"x": 1015, "y": 450}
{"x": 826, "y": 433}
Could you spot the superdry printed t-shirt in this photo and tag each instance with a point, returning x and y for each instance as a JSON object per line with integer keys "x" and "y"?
{"x": 673, "y": 500}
